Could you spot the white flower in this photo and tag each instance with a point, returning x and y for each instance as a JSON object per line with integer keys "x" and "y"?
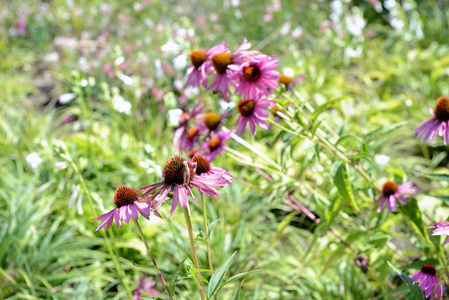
{"x": 288, "y": 71}
{"x": 60, "y": 165}
{"x": 180, "y": 62}
{"x": 285, "y": 28}
{"x": 297, "y": 32}
{"x": 66, "y": 98}
{"x": 381, "y": 159}
{"x": 191, "y": 92}
{"x": 226, "y": 105}
{"x": 173, "y": 116}
{"x": 121, "y": 105}
{"x": 119, "y": 60}
{"x": 171, "y": 47}
{"x": 355, "y": 24}
{"x": 34, "y": 160}
{"x": 129, "y": 81}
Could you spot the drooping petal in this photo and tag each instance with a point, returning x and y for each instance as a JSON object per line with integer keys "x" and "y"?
{"x": 132, "y": 211}
{"x": 175, "y": 200}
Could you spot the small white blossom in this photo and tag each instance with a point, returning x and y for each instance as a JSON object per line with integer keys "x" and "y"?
{"x": 66, "y": 98}
{"x": 34, "y": 160}
{"x": 173, "y": 116}
{"x": 121, "y": 105}
{"x": 381, "y": 159}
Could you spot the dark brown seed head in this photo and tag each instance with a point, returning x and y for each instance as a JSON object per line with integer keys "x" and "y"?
{"x": 389, "y": 188}
{"x": 284, "y": 79}
{"x": 202, "y": 164}
{"x": 221, "y": 61}
{"x": 192, "y": 132}
{"x": 174, "y": 171}
{"x": 428, "y": 269}
{"x": 197, "y": 57}
{"x": 124, "y": 195}
{"x": 214, "y": 143}
{"x": 212, "y": 120}
{"x": 246, "y": 107}
{"x": 251, "y": 73}
{"x": 442, "y": 109}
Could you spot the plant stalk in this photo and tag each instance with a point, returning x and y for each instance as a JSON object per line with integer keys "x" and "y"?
{"x": 152, "y": 258}
{"x": 211, "y": 267}
{"x": 193, "y": 248}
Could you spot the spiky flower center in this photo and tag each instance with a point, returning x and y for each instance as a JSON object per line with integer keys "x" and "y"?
{"x": 192, "y": 152}
{"x": 214, "y": 143}
{"x": 246, "y": 107}
{"x": 251, "y": 73}
{"x": 125, "y": 195}
{"x": 428, "y": 269}
{"x": 191, "y": 133}
{"x": 285, "y": 79}
{"x": 174, "y": 171}
{"x": 442, "y": 109}
{"x": 221, "y": 61}
{"x": 202, "y": 164}
{"x": 197, "y": 57}
{"x": 389, "y": 188}
{"x": 212, "y": 120}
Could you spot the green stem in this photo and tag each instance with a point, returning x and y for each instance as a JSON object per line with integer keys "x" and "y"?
{"x": 103, "y": 233}
{"x": 152, "y": 258}
{"x": 211, "y": 267}
{"x": 193, "y": 248}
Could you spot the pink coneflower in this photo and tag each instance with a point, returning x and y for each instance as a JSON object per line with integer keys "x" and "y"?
{"x": 289, "y": 82}
{"x": 212, "y": 120}
{"x": 127, "y": 207}
{"x": 255, "y": 76}
{"x": 205, "y": 169}
{"x": 438, "y": 124}
{"x": 252, "y": 112}
{"x": 440, "y": 228}
{"x": 180, "y": 138}
{"x": 198, "y": 69}
{"x": 192, "y": 137}
{"x": 221, "y": 60}
{"x": 391, "y": 192}
{"x": 180, "y": 174}
{"x": 215, "y": 146}
{"x": 145, "y": 288}
{"x": 429, "y": 281}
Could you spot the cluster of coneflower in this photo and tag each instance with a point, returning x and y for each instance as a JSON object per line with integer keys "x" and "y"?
{"x": 253, "y": 77}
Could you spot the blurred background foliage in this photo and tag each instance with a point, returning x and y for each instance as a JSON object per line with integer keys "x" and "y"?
{"x": 67, "y": 69}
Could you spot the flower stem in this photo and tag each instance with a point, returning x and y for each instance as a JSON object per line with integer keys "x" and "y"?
{"x": 103, "y": 233}
{"x": 193, "y": 248}
{"x": 152, "y": 258}
{"x": 211, "y": 267}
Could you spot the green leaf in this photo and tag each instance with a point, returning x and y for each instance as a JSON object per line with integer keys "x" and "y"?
{"x": 237, "y": 277}
{"x": 320, "y": 109}
{"x": 144, "y": 266}
{"x": 411, "y": 210}
{"x": 211, "y": 226}
{"x": 174, "y": 278}
{"x": 375, "y": 134}
{"x": 439, "y": 177}
{"x": 413, "y": 286}
{"x": 237, "y": 293}
{"x": 218, "y": 276}
{"x": 340, "y": 176}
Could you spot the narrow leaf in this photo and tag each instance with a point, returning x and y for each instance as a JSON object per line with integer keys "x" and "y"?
{"x": 218, "y": 276}
{"x": 320, "y": 109}
{"x": 174, "y": 278}
{"x": 439, "y": 177}
{"x": 413, "y": 286}
{"x": 237, "y": 293}
{"x": 340, "y": 176}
